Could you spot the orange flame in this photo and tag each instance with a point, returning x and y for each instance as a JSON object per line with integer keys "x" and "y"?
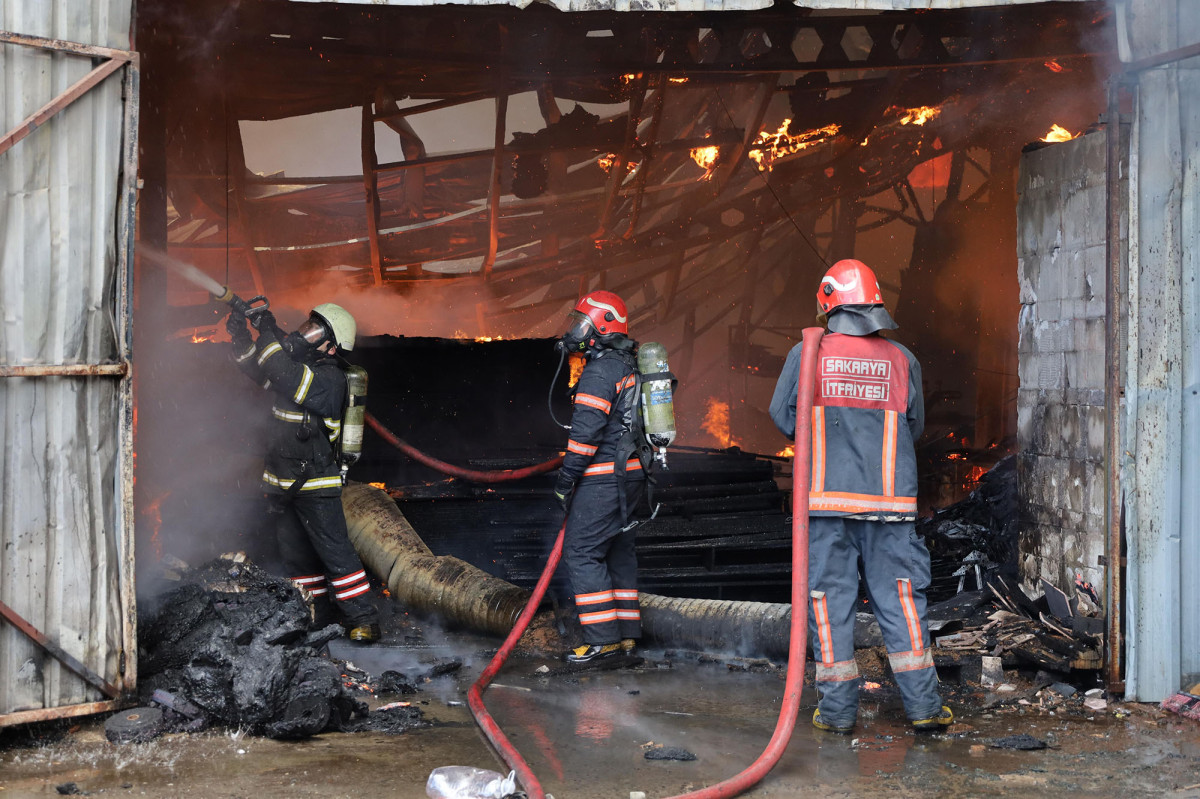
{"x": 489, "y": 338}
{"x": 154, "y": 511}
{"x": 706, "y": 159}
{"x": 1054, "y": 66}
{"x": 770, "y": 146}
{"x": 716, "y": 422}
{"x": 787, "y": 452}
{"x": 919, "y": 115}
{"x": 606, "y": 162}
{"x": 378, "y": 485}
{"x": 1059, "y": 133}
{"x": 197, "y": 338}
{"x": 677, "y": 80}
{"x": 630, "y": 77}
{"x": 576, "y": 363}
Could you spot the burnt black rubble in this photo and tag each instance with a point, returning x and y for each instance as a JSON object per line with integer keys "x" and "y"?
{"x": 233, "y": 643}
{"x": 981, "y": 530}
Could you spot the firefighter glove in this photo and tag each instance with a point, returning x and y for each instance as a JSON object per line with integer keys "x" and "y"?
{"x": 263, "y": 320}
{"x": 236, "y": 325}
{"x": 563, "y": 490}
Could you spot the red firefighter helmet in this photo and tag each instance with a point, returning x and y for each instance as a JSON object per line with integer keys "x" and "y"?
{"x": 848, "y": 282}
{"x": 597, "y": 315}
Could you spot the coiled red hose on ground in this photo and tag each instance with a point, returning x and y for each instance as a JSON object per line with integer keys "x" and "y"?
{"x": 794, "y": 684}
{"x": 474, "y": 475}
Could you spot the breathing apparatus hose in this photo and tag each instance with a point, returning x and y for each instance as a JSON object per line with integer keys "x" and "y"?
{"x": 794, "y": 684}
{"x": 474, "y": 475}
{"x": 491, "y": 729}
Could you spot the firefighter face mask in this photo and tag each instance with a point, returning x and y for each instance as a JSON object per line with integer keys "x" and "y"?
{"x": 304, "y": 341}
{"x": 579, "y": 332}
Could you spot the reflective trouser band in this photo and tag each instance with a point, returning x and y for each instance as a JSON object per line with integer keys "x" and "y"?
{"x": 599, "y": 617}
{"x": 351, "y": 585}
{"x": 846, "y": 502}
{"x": 594, "y": 598}
{"x": 842, "y": 671}
{"x": 313, "y": 483}
{"x": 625, "y": 594}
{"x": 910, "y": 661}
{"x": 629, "y": 615}
{"x": 313, "y": 583}
{"x": 911, "y": 617}
{"x": 824, "y": 633}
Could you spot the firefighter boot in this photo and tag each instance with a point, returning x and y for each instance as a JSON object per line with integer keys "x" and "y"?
{"x": 821, "y": 725}
{"x": 367, "y": 633}
{"x": 628, "y": 645}
{"x": 935, "y": 723}
{"x": 592, "y": 653}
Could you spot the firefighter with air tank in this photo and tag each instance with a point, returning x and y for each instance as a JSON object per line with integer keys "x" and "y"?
{"x": 622, "y": 420}
{"x": 867, "y": 412}
{"x": 309, "y": 452}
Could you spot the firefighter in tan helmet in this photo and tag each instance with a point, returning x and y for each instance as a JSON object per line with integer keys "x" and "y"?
{"x": 867, "y": 412}
{"x": 302, "y": 474}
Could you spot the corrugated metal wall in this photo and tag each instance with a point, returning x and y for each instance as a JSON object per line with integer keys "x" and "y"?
{"x": 1161, "y": 475}
{"x": 65, "y": 441}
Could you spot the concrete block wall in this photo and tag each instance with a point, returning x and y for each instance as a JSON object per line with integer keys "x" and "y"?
{"x": 1060, "y": 402}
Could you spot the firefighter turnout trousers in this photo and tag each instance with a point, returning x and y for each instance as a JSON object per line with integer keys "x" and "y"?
{"x": 318, "y": 556}
{"x": 602, "y": 561}
{"x": 896, "y": 571}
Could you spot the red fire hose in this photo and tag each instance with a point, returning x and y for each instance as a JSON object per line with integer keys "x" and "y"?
{"x": 801, "y": 477}
{"x": 490, "y": 728}
{"x": 474, "y": 475}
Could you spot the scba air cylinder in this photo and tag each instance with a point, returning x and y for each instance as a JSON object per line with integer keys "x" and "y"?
{"x": 658, "y": 401}
{"x": 355, "y": 417}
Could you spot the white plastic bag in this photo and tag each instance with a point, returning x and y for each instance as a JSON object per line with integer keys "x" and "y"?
{"x": 468, "y": 782}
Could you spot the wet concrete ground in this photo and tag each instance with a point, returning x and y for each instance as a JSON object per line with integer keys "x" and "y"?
{"x": 585, "y": 735}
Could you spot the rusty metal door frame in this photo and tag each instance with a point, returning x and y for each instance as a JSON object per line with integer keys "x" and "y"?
{"x": 111, "y": 61}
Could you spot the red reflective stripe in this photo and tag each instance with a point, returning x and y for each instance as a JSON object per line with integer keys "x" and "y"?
{"x": 580, "y": 449}
{"x": 621, "y": 593}
{"x": 599, "y": 617}
{"x": 890, "y": 419}
{"x": 909, "y": 606}
{"x": 859, "y": 503}
{"x": 609, "y": 467}
{"x": 349, "y": 578}
{"x": 824, "y": 634}
{"x": 361, "y": 588}
{"x": 628, "y": 382}
{"x": 592, "y": 401}
{"x": 818, "y": 449}
{"x": 594, "y": 598}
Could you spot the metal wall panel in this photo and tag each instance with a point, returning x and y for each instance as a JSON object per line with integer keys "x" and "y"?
{"x": 65, "y": 439}
{"x": 1161, "y": 475}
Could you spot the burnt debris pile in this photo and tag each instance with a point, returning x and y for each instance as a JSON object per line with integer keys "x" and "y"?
{"x": 230, "y": 645}
{"x": 975, "y": 536}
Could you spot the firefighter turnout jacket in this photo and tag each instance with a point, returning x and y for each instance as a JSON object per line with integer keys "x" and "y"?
{"x": 307, "y": 415}
{"x": 867, "y": 412}
{"x": 605, "y": 402}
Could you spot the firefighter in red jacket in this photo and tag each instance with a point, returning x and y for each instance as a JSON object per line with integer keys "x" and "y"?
{"x": 867, "y": 412}
{"x": 601, "y": 479}
{"x": 302, "y": 476}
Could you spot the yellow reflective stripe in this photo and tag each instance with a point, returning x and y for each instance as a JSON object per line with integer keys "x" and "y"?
{"x": 245, "y": 356}
{"x": 818, "y": 449}
{"x": 312, "y": 484}
{"x": 305, "y": 384}
{"x": 335, "y": 428}
{"x": 890, "y": 426}
{"x": 859, "y": 503}
{"x": 287, "y": 416}
{"x": 268, "y": 351}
